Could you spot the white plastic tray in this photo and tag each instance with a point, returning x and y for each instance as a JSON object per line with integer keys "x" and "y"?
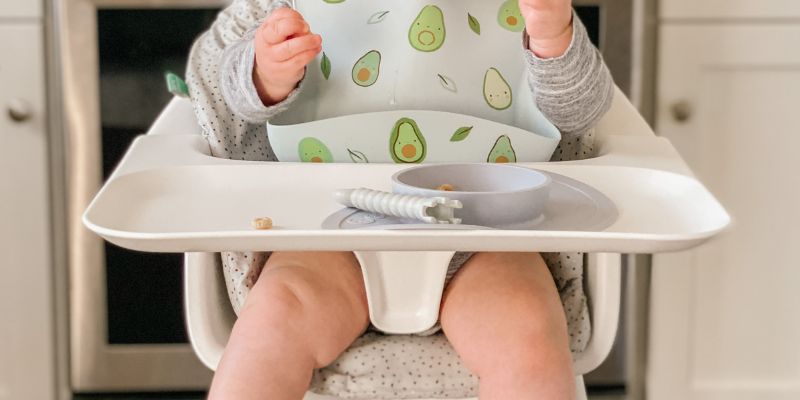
{"x": 169, "y": 195}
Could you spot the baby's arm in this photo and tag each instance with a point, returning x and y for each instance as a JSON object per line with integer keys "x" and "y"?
{"x": 220, "y": 77}
{"x": 572, "y": 84}
{"x": 284, "y": 45}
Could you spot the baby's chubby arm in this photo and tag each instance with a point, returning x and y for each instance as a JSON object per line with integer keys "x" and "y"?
{"x": 219, "y": 74}
{"x": 284, "y": 45}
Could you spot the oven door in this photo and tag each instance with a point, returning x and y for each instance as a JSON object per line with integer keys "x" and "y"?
{"x": 610, "y": 23}
{"x": 97, "y": 363}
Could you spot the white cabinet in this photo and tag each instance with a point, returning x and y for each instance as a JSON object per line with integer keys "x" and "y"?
{"x": 20, "y": 8}
{"x": 27, "y": 365}
{"x": 729, "y": 9}
{"x": 724, "y": 317}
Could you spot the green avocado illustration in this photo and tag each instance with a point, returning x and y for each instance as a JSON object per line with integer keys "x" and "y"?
{"x": 367, "y": 69}
{"x": 407, "y": 145}
{"x": 510, "y": 17}
{"x": 496, "y": 90}
{"x": 312, "y": 150}
{"x": 502, "y": 151}
{"x": 427, "y": 32}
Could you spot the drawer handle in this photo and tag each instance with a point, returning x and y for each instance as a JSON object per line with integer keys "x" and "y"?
{"x": 681, "y": 111}
{"x": 19, "y": 110}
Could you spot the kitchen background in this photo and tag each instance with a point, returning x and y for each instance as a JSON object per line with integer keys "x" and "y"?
{"x": 82, "y": 318}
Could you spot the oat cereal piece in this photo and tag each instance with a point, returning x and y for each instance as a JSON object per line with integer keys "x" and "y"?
{"x": 262, "y": 223}
{"x": 446, "y": 187}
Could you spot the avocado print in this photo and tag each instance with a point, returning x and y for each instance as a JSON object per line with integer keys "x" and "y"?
{"x": 510, "y": 17}
{"x": 333, "y": 1}
{"x": 496, "y": 90}
{"x": 407, "y": 145}
{"x": 502, "y": 151}
{"x": 367, "y": 69}
{"x": 427, "y": 32}
{"x": 312, "y": 150}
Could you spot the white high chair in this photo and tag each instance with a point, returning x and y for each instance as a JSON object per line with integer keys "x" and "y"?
{"x": 633, "y": 169}
{"x": 210, "y": 316}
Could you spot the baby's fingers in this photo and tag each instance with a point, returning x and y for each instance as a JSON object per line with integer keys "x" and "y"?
{"x": 292, "y": 47}
{"x": 293, "y": 68}
{"x": 281, "y": 29}
{"x": 301, "y": 60}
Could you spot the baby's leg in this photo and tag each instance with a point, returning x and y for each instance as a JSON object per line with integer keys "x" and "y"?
{"x": 304, "y": 310}
{"x": 503, "y": 315}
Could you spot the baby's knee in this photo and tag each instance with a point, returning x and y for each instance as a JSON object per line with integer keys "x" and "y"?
{"x": 522, "y": 335}
{"x": 309, "y": 306}
{"x": 278, "y": 299}
{"x": 517, "y": 351}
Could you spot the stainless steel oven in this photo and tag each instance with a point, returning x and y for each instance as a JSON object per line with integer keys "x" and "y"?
{"x": 126, "y": 327}
{"x": 125, "y": 316}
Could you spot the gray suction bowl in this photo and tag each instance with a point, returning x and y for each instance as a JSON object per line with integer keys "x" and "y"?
{"x": 493, "y": 195}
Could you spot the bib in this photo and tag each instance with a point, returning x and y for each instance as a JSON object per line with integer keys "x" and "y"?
{"x": 408, "y": 81}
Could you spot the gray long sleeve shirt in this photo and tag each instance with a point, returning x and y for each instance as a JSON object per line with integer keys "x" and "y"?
{"x": 573, "y": 91}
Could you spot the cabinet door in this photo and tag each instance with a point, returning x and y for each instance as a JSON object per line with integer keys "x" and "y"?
{"x": 729, "y": 9}
{"x": 26, "y": 330}
{"x": 724, "y": 317}
{"x": 20, "y": 9}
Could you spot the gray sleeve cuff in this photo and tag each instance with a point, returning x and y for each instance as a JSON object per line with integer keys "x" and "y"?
{"x": 575, "y": 89}
{"x": 236, "y": 79}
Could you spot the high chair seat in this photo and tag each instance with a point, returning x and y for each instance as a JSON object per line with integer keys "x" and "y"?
{"x": 362, "y": 372}
{"x": 396, "y": 367}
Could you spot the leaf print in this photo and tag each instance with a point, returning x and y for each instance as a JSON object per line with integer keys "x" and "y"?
{"x": 325, "y": 65}
{"x": 447, "y": 83}
{"x": 357, "y": 156}
{"x": 461, "y": 134}
{"x": 474, "y": 24}
{"x": 377, "y": 17}
{"x": 176, "y": 85}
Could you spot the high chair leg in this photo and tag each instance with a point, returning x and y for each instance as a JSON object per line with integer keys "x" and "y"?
{"x": 404, "y": 288}
{"x": 580, "y": 388}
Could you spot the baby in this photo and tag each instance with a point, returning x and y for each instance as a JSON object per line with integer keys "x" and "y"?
{"x": 299, "y": 311}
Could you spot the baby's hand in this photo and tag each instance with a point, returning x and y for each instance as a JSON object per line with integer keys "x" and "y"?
{"x": 284, "y": 45}
{"x": 549, "y": 26}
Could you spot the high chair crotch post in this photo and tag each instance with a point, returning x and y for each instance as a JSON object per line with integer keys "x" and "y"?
{"x": 404, "y": 288}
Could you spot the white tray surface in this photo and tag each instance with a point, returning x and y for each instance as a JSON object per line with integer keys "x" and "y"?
{"x": 210, "y": 208}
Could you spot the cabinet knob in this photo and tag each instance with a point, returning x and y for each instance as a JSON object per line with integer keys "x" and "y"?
{"x": 19, "y": 110}
{"x": 681, "y": 111}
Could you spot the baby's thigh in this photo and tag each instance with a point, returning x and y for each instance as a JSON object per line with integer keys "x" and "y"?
{"x": 503, "y": 299}
{"x": 320, "y": 291}
{"x": 316, "y": 279}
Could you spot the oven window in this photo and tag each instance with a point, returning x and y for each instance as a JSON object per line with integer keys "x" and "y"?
{"x": 590, "y": 16}
{"x": 136, "y": 48}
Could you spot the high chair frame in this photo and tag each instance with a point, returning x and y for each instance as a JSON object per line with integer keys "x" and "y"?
{"x": 626, "y": 146}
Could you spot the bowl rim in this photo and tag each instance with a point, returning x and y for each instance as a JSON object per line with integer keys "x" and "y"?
{"x": 545, "y": 183}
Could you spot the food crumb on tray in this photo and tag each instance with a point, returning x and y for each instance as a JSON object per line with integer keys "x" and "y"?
{"x": 262, "y": 223}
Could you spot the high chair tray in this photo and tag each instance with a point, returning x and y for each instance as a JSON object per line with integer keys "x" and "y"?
{"x": 169, "y": 195}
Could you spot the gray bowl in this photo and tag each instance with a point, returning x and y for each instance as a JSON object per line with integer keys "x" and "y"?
{"x": 492, "y": 194}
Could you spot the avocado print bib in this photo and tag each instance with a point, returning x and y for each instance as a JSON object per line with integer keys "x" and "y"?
{"x": 406, "y": 81}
